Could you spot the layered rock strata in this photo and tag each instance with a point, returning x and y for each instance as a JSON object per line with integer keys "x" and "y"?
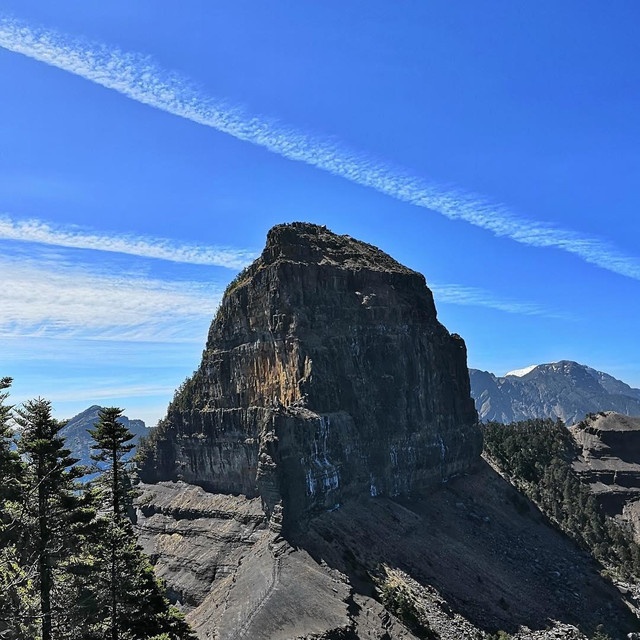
{"x": 331, "y": 398}
{"x": 609, "y": 461}
{"x": 326, "y": 375}
{"x": 460, "y": 563}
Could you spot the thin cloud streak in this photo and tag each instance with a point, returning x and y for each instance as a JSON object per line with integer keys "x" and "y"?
{"x": 97, "y": 393}
{"x": 141, "y": 401}
{"x": 45, "y": 299}
{"x": 74, "y": 352}
{"x": 139, "y": 78}
{"x": 41, "y": 232}
{"x": 475, "y": 297}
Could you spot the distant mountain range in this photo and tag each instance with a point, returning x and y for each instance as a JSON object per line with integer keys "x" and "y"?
{"x": 78, "y": 439}
{"x": 566, "y": 390}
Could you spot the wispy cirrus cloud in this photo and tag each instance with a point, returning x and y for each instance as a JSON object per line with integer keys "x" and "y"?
{"x": 143, "y": 246}
{"x": 100, "y": 393}
{"x": 477, "y": 297}
{"x": 139, "y": 78}
{"x": 48, "y": 299}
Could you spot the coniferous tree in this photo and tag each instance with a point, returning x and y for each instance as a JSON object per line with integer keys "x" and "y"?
{"x": 132, "y": 598}
{"x": 536, "y": 455}
{"x": 112, "y": 442}
{"x": 16, "y": 593}
{"x": 10, "y": 468}
{"x": 53, "y": 511}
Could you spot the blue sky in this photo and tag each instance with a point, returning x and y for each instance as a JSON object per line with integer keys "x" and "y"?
{"x": 147, "y": 147}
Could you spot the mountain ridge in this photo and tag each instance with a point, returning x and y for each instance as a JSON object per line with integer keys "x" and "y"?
{"x": 565, "y": 389}
{"x": 80, "y": 442}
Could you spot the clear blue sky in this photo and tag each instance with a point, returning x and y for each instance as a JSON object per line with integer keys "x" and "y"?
{"x": 493, "y": 146}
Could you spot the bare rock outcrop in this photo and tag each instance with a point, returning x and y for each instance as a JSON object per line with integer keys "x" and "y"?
{"x": 460, "y": 563}
{"x": 319, "y": 477}
{"x": 326, "y": 375}
{"x": 609, "y": 461}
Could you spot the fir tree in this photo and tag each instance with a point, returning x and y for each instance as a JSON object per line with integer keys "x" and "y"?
{"x": 53, "y": 511}
{"x": 16, "y": 593}
{"x": 112, "y": 442}
{"x": 10, "y": 467}
{"x": 132, "y": 598}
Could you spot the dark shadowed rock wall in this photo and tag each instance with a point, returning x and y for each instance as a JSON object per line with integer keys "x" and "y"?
{"x": 326, "y": 374}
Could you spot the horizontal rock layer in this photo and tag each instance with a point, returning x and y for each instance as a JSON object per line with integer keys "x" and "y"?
{"x": 609, "y": 461}
{"x": 326, "y": 375}
{"x": 468, "y": 560}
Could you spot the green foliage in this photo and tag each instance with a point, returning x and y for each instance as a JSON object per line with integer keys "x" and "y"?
{"x": 128, "y": 598}
{"x": 10, "y": 466}
{"x": 18, "y": 596}
{"x": 153, "y": 448}
{"x": 17, "y": 592}
{"x": 112, "y": 441}
{"x": 53, "y": 512}
{"x": 600, "y": 634}
{"x": 524, "y": 450}
{"x": 184, "y": 396}
{"x": 148, "y": 456}
{"x": 398, "y": 600}
{"x": 238, "y": 281}
{"x": 536, "y": 455}
{"x": 70, "y": 565}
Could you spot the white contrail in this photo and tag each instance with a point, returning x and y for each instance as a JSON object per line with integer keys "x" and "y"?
{"x": 44, "y": 233}
{"x": 139, "y": 78}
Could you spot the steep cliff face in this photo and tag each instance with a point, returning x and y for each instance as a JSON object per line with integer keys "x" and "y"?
{"x": 325, "y": 375}
{"x": 330, "y": 398}
{"x": 609, "y": 462}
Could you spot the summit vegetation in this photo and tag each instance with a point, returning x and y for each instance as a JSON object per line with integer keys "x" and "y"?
{"x": 70, "y": 565}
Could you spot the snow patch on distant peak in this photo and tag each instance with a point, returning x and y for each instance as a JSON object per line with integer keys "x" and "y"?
{"x": 521, "y": 372}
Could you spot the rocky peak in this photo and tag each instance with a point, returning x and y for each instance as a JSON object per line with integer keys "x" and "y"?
{"x": 310, "y": 244}
{"x": 326, "y": 375}
{"x": 80, "y": 442}
{"x": 567, "y": 390}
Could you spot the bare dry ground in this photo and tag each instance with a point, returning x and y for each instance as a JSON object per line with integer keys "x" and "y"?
{"x": 472, "y": 555}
